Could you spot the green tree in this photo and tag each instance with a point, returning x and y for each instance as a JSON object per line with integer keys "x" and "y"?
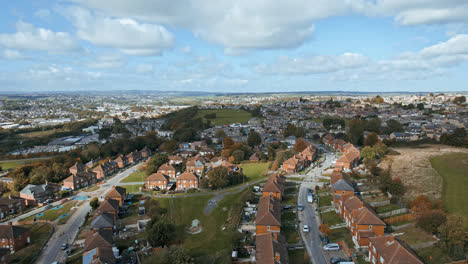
{"x": 290, "y": 130}
{"x": 453, "y": 236}
{"x": 355, "y": 131}
{"x": 160, "y": 234}
{"x": 170, "y": 255}
{"x": 459, "y": 100}
{"x": 94, "y": 203}
{"x": 368, "y": 153}
{"x": 228, "y": 142}
{"x": 238, "y": 155}
{"x": 380, "y": 149}
{"x": 155, "y": 162}
{"x": 430, "y": 220}
{"x": 254, "y": 139}
{"x": 420, "y": 106}
{"x": 393, "y": 126}
{"x": 218, "y": 177}
{"x": 170, "y": 146}
{"x": 220, "y": 133}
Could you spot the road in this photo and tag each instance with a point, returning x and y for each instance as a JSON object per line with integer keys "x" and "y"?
{"x": 67, "y": 233}
{"x": 309, "y": 216}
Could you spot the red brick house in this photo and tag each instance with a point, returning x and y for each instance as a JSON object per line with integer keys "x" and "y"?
{"x": 105, "y": 169}
{"x": 347, "y": 161}
{"x": 78, "y": 167}
{"x": 118, "y": 193}
{"x": 133, "y": 157}
{"x": 187, "y": 180}
{"x": 14, "y": 237}
{"x": 110, "y": 206}
{"x": 364, "y": 225}
{"x": 195, "y": 165}
{"x": 157, "y": 181}
{"x": 168, "y": 169}
{"x": 270, "y": 248}
{"x": 121, "y": 161}
{"x": 388, "y": 250}
{"x": 145, "y": 153}
{"x": 175, "y": 160}
{"x": 80, "y": 180}
{"x": 11, "y": 205}
{"x": 274, "y": 186}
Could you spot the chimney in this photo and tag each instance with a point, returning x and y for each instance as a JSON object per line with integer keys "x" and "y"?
{"x": 391, "y": 238}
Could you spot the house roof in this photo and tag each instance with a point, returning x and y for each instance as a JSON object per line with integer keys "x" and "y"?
{"x": 11, "y": 231}
{"x": 157, "y": 177}
{"x": 353, "y": 203}
{"x": 342, "y": 185}
{"x": 268, "y": 249}
{"x": 103, "y": 220}
{"x": 187, "y": 176}
{"x": 109, "y": 205}
{"x": 365, "y": 216}
{"x": 393, "y": 251}
{"x": 274, "y": 184}
{"x": 8, "y": 200}
{"x": 99, "y": 238}
{"x": 99, "y": 255}
{"x": 166, "y": 167}
{"x": 269, "y": 211}
{"x": 116, "y": 191}
{"x": 78, "y": 167}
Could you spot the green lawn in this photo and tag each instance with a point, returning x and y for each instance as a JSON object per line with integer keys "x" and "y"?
{"x": 453, "y": 169}
{"x": 298, "y": 256}
{"x": 290, "y": 233}
{"x": 386, "y": 208}
{"x": 92, "y": 189}
{"x": 331, "y": 218}
{"x": 39, "y": 234}
{"x": 325, "y": 200}
{"x": 433, "y": 255}
{"x": 341, "y": 234}
{"x": 132, "y": 188}
{"x": 12, "y": 164}
{"x": 53, "y": 214}
{"x": 225, "y": 116}
{"x": 138, "y": 176}
{"x": 413, "y": 235}
{"x": 290, "y": 199}
{"x": 255, "y": 171}
{"x": 288, "y": 216}
{"x": 213, "y": 241}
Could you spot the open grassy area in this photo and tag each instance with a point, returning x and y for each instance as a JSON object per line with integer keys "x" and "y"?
{"x": 298, "y": 256}
{"x": 453, "y": 169}
{"x": 324, "y": 200}
{"x": 12, "y": 164}
{"x": 331, "y": 218}
{"x": 213, "y": 241}
{"x": 225, "y": 116}
{"x": 43, "y": 133}
{"x": 39, "y": 234}
{"x": 255, "y": 171}
{"x": 433, "y": 255}
{"x": 53, "y": 214}
{"x": 290, "y": 233}
{"x": 413, "y": 235}
{"x": 92, "y": 189}
{"x": 386, "y": 208}
{"x": 341, "y": 234}
{"x": 132, "y": 188}
{"x": 138, "y": 176}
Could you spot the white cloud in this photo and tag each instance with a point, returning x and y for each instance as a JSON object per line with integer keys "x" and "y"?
{"x": 106, "y": 61}
{"x": 12, "y": 55}
{"x": 28, "y": 37}
{"x": 244, "y": 25}
{"x": 125, "y": 34}
{"x": 42, "y": 13}
{"x": 458, "y": 44}
{"x": 144, "y": 68}
{"x": 186, "y": 49}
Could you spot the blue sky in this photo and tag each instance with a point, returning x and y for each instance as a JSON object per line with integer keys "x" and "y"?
{"x": 234, "y": 46}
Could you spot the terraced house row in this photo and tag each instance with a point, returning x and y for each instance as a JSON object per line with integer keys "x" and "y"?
{"x": 301, "y": 160}
{"x": 270, "y": 244}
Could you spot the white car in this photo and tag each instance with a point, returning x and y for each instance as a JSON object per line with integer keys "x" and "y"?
{"x": 305, "y": 229}
{"x": 331, "y": 247}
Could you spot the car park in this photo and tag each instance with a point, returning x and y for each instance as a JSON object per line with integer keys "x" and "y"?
{"x": 331, "y": 247}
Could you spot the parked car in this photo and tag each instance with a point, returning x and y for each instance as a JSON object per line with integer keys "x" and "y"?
{"x": 305, "y": 229}
{"x": 300, "y": 207}
{"x": 323, "y": 239}
{"x": 335, "y": 260}
{"x": 288, "y": 206}
{"x": 64, "y": 246}
{"x": 331, "y": 247}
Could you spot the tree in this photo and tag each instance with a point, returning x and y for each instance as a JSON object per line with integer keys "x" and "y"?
{"x": 420, "y": 205}
{"x": 300, "y": 145}
{"x": 373, "y": 125}
{"x": 329, "y": 123}
{"x": 94, "y": 203}
{"x": 459, "y": 100}
{"x": 170, "y": 255}
{"x": 420, "y": 106}
{"x": 238, "y": 156}
{"x": 368, "y": 153}
{"x": 380, "y": 149}
{"x": 220, "y": 133}
{"x": 430, "y": 220}
{"x": 228, "y": 142}
{"x": 290, "y": 130}
{"x": 393, "y": 126}
{"x": 155, "y": 162}
{"x": 453, "y": 236}
{"x": 218, "y": 177}
{"x": 355, "y": 131}
{"x": 254, "y": 139}
{"x": 170, "y": 146}
{"x": 325, "y": 230}
{"x": 160, "y": 234}
{"x": 396, "y": 187}
{"x": 371, "y": 139}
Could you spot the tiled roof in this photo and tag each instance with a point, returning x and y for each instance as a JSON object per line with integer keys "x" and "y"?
{"x": 365, "y": 216}
{"x": 269, "y": 211}
{"x": 393, "y": 251}
{"x": 157, "y": 177}
{"x": 342, "y": 185}
{"x": 268, "y": 249}
{"x": 187, "y": 176}
{"x": 11, "y": 231}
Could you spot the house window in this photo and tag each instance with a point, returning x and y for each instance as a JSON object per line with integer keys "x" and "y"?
{"x": 370, "y": 227}
{"x": 381, "y": 260}
{"x": 268, "y": 228}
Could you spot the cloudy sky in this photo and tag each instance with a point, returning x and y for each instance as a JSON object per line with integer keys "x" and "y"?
{"x": 234, "y": 46}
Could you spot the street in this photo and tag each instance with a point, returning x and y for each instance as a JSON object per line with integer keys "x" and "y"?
{"x": 309, "y": 216}
{"x": 67, "y": 233}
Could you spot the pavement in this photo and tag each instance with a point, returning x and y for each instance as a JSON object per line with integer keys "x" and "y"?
{"x": 309, "y": 216}
{"x": 67, "y": 233}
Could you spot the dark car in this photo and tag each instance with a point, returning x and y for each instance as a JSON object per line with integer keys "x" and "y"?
{"x": 288, "y": 206}
{"x": 64, "y": 246}
{"x": 335, "y": 260}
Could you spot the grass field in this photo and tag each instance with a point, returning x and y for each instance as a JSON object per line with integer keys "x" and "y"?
{"x": 433, "y": 255}
{"x": 331, "y": 218}
{"x": 132, "y": 188}
{"x": 413, "y": 235}
{"x": 138, "y": 176}
{"x": 453, "y": 169}
{"x": 341, "y": 234}
{"x": 212, "y": 240}
{"x": 12, "y": 164}
{"x": 255, "y": 171}
{"x": 43, "y": 133}
{"x": 39, "y": 234}
{"x": 325, "y": 200}
{"x": 53, "y": 214}
{"x": 386, "y": 208}
{"x": 226, "y": 116}
{"x": 298, "y": 256}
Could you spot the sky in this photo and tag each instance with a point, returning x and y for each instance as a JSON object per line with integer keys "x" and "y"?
{"x": 234, "y": 46}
